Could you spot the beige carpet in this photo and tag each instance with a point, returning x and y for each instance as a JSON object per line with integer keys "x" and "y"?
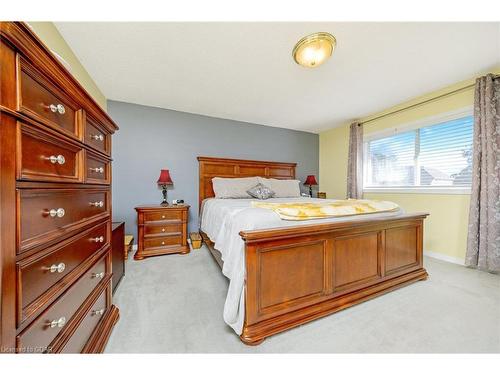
{"x": 174, "y": 303}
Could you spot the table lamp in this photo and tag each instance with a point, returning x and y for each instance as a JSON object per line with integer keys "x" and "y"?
{"x": 164, "y": 180}
{"x": 310, "y": 180}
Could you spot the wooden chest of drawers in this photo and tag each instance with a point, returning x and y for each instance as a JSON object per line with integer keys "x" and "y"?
{"x": 161, "y": 230}
{"x": 55, "y": 204}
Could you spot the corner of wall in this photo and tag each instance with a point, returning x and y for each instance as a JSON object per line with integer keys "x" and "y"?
{"x": 333, "y": 150}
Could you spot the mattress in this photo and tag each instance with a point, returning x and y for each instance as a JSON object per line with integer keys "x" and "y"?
{"x": 223, "y": 219}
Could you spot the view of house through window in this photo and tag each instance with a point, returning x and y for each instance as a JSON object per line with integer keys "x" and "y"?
{"x": 436, "y": 155}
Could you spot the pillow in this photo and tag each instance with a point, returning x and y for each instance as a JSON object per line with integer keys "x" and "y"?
{"x": 260, "y": 191}
{"x": 282, "y": 188}
{"x": 233, "y": 187}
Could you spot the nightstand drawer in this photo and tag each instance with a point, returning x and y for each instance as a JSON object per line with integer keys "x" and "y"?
{"x": 162, "y": 229}
{"x": 162, "y": 216}
{"x": 162, "y": 241}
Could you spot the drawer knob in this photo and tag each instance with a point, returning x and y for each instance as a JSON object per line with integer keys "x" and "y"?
{"x": 59, "y": 159}
{"x": 163, "y": 216}
{"x": 163, "y": 242}
{"x": 58, "y": 323}
{"x": 98, "y": 312}
{"x": 59, "y": 268}
{"x": 97, "y": 204}
{"x": 97, "y": 137}
{"x": 163, "y": 229}
{"x": 59, "y": 108}
{"x": 97, "y": 170}
{"x": 98, "y": 239}
{"x": 59, "y": 212}
{"x": 99, "y": 275}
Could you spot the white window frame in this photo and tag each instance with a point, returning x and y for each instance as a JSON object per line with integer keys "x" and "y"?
{"x": 427, "y": 121}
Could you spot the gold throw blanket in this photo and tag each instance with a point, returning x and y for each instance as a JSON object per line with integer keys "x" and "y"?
{"x": 309, "y": 210}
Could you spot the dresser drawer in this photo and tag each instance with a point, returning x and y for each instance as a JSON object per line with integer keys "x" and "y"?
{"x": 41, "y": 99}
{"x": 97, "y": 170}
{"x": 47, "y": 158}
{"x": 46, "y": 214}
{"x": 164, "y": 215}
{"x": 42, "y": 332}
{"x": 85, "y": 329}
{"x": 96, "y": 137}
{"x": 162, "y": 241}
{"x": 38, "y": 275}
{"x": 151, "y": 230}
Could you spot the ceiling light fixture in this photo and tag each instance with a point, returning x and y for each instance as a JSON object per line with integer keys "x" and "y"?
{"x": 313, "y": 50}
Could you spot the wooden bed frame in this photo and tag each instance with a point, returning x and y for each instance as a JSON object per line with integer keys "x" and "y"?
{"x": 301, "y": 273}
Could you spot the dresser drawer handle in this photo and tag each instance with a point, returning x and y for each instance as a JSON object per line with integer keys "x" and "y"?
{"x": 163, "y": 242}
{"x": 98, "y": 312}
{"x": 163, "y": 229}
{"x": 97, "y": 137}
{"x": 99, "y": 275}
{"x": 59, "y": 159}
{"x": 163, "y": 216}
{"x": 59, "y": 268}
{"x": 97, "y": 204}
{"x": 98, "y": 239}
{"x": 58, "y": 323}
{"x": 59, "y": 212}
{"x": 57, "y": 108}
{"x": 97, "y": 170}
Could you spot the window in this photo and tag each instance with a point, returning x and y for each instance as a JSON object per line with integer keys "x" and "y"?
{"x": 437, "y": 156}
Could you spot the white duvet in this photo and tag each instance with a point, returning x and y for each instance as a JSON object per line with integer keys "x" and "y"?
{"x": 223, "y": 219}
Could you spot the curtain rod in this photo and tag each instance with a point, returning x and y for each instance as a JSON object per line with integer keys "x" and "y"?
{"x": 422, "y": 102}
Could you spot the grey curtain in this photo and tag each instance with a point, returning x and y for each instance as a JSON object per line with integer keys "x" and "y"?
{"x": 483, "y": 240}
{"x": 355, "y": 162}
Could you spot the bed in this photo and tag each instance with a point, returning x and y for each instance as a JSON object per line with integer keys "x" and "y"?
{"x": 284, "y": 274}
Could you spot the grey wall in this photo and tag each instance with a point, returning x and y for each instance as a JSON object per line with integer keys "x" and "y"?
{"x": 151, "y": 139}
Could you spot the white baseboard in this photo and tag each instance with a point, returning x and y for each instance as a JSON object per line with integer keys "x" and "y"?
{"x": 446, "y": 258}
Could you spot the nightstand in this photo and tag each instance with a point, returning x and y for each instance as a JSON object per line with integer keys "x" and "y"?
{"x": 161, "y": 230}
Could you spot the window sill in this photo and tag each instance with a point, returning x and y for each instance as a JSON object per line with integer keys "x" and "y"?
{"x": 418, "y": 190}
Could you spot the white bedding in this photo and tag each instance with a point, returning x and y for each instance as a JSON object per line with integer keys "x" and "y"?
{"x": 223, "y": 219}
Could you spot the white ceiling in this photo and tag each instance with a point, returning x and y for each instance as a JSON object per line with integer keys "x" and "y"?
{"x": 245, "y": 72}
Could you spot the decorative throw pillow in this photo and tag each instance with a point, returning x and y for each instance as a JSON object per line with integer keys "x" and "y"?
{"x": 260, "y": 191}
{"x": 233, "y": 187}
{"x": 282, "y": 188}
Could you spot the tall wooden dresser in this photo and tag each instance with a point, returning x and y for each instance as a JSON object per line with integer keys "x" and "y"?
{"x": 55, "y": 204}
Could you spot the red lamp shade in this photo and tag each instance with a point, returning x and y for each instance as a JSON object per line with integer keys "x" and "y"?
{"x": 165, "y": 178}
{"x": 310, "y": 180}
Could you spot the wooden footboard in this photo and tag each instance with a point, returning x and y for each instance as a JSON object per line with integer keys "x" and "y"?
{"x": 298, "y": 274}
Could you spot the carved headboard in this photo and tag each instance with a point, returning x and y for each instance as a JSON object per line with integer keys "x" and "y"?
{"x": 218, "y": 167}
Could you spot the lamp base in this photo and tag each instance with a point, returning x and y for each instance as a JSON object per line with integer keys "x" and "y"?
{"x": 164, "y": 192}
